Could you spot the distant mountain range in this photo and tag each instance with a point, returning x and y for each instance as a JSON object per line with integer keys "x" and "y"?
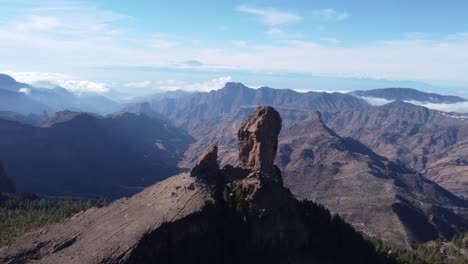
{"x": 26, "y": 99}
{"x": 79, "y": 154}
{"x": 407, "y": 94}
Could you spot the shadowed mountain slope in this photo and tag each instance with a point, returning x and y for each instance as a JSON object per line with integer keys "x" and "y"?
{"x": 78, "y": 154}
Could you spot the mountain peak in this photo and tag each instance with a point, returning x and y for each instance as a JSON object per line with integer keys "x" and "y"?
{"x": 235, "y": 86}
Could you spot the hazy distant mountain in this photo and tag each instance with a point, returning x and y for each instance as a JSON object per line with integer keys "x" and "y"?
{"x": 407, "y": 94}
{"x": 84, "y": 155}
{"x": 26, "y": 99}
{"x": 431, "y": 142}
{"x": 374, "y": 194}
{"x": 10, "y": 84}
{"x": 168, "y": 94}
{"x": 6, "y": 184}
{"x": 31, "y": 119}
{"x": 21, "y": 103}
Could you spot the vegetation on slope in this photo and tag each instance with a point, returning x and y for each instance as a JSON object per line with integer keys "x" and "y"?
{"x": 332, "y": 238}
{"x": 20, "y": 213}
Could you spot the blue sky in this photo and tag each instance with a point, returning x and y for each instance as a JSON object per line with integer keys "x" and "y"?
{"x": 141, "y": 47}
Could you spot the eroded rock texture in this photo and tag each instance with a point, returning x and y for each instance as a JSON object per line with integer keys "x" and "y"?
{"x": 258, "y": 139}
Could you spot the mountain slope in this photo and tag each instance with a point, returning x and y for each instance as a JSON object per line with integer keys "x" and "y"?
{"x": 240, "y": 214}
{"x": 83, "y": 155}
{"x": 407, "y": 94}
{"x": 431, "y": 142}
{"x": 371, "y": 192}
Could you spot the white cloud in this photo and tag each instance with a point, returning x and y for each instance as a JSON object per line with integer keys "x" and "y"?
{"x": 271, "y": 16}
{"x": 330, "y": 14}
{"x": 66, "y": 81}
{"x": 160, "y": 42}
{"x": 144, "y": 84}
{"x": 274, "y": 31}
{"x": 331, "y": 40}
{"x": 240, "y": 43}
{"x": 214, "y": 84}
{"x": 41, "y": 23}
{"x": 375, "y": 101}
{"x": 461, "y": 107}
{"x": 25, "y": 90}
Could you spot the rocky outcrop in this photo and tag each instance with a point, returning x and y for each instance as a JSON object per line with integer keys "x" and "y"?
{"x": 180, "y": 216}
{"x": 6, "y": 184}
{"x": 207, "y": 167}
{"x": 258, "y": 139}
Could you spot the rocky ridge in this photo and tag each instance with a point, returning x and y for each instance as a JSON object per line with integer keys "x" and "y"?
{"x": 180, "y": 209}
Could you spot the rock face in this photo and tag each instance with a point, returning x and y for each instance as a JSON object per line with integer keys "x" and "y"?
{"x": 376, "y": 195}
{"x": 207, "y": 167}
{"x": 247, "y": 212}
{"x": 6, "y": 185}
{"x": 258, "y": 139}
{"x": 431, "y": 142}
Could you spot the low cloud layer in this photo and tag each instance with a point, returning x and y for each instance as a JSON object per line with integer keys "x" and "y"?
{"x": 454, "y": 107}
{"x": 174, "y": 85}
{"x": 70, "y": 83}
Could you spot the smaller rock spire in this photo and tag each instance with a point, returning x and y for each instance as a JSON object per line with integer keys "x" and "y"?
{"x": 207, "y": 167}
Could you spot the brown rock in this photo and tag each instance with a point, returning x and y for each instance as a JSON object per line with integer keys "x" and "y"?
{"x": 207, "y": 166}
{"x": 258, "y": 139}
